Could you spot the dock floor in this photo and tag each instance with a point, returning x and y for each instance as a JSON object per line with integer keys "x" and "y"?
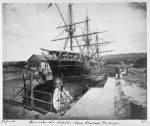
{"x": 97, "y": 103}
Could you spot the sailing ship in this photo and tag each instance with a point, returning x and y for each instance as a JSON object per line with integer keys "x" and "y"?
{"x": 69, "y": 67}
{"x": 72, "y": 63}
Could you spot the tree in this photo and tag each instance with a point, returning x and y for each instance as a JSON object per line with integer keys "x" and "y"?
{"x": 21, "y": 64}
{"x": 141, "y": 62}
{"x": 5, "y": 65}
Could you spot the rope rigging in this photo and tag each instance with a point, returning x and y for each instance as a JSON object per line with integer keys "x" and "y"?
{"x": 89, "y": 31}
{"x": 60, "y": 34}
{"x": 72, "y": 31}
{"x": 62, "y": 20}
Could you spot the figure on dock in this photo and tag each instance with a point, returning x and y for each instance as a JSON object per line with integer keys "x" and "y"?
{"x": 128, "y": 70}
{"x": 117, "y": 72}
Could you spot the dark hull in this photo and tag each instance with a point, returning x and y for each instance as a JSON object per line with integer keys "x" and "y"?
{"x": 74, "y": 68}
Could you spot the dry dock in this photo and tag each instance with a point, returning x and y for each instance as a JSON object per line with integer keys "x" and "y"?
{"x": 97, "y": 103}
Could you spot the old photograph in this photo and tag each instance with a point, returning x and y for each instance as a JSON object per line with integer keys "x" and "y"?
{"x": 74, "y": 61}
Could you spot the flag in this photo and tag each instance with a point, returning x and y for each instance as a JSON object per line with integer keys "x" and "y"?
{"x": 49, "y": 5}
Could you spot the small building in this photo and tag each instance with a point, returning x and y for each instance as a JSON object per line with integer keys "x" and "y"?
{"x": 38, "y": 62}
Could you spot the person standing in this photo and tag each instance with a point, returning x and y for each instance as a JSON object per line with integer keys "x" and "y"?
{"x": 127, "y": 70}
{"x": 117, "y": 72}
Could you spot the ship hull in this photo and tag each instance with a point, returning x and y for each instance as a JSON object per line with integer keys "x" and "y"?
{"x": 74, "y": 68}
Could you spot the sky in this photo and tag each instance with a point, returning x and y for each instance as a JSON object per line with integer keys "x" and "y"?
{"x": 28, "y": 27}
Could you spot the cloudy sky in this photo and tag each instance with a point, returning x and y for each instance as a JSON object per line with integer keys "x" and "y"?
{"x": 29, "y": 27}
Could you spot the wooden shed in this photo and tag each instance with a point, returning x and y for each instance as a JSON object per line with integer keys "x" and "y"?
{"x": 38, "y": 62}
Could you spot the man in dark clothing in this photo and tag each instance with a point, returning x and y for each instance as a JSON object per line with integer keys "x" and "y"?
{"x": 118, "y": 71}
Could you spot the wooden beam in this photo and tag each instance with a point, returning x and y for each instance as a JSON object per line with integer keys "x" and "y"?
{"x": 79, "y": 35}
{"x": 96, "y": 43}
{"x": 72, "y": 24}
{"x": 106, "y": 51}
{"x": 31, "y": 90}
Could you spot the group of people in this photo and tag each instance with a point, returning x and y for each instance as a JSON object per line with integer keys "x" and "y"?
{"x": 66, "y": 55}
{"x": 70, "y": 56}
{"x": 128, "y": 71}
{"x": 122, "y": 68}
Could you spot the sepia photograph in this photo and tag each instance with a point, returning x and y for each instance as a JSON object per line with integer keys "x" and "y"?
{"x": 74, "y": 61}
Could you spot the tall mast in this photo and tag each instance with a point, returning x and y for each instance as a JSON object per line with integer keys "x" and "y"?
{"x": 70, "y": 28}
{"x": 87, "y": 32}
{"x": 70, "y": 25}
{"x": 87, "y": 37}
{"x": 97, "y": 50}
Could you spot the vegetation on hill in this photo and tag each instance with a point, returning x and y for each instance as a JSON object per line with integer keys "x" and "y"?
{"x": 15, "y": 64}
{"x": 141, "y": 63}
{"x": 126, "y": 58}
{"x": 21, "y": 64}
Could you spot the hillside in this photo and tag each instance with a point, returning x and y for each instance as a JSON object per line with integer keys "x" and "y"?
{"x": 126, "y": 58}
{"x": 13, "y": 64}
{"x": 10, "y": 62}
{"x": 129, "y": 55}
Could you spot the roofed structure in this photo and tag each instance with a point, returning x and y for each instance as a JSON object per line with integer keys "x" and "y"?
{"x": 38, "y": 62}
{"x": 40, "y": 57}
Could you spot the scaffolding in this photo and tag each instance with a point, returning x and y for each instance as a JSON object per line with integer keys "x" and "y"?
{"x": 30, "y": 99}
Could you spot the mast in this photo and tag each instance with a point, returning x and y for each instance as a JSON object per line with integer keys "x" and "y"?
{"x": 70, "y": 28}
{"x": 97, "y": 50}
{"x": 70, "y": 25}
{"x": 87, "y": 32}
